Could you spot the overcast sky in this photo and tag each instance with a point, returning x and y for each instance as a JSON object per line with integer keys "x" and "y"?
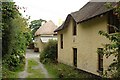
{"x": 55, "y": 10}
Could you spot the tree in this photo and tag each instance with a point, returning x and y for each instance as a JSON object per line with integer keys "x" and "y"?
{"x": 114, "y": 47}
{"x": 15, "y": 36}
{"x": 9, "y": 12}
{"x": 35, "y": 24}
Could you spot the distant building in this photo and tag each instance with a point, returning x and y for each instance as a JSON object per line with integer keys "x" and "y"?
{"x": 44, "y": 34}
{"x": 78, "y": 38}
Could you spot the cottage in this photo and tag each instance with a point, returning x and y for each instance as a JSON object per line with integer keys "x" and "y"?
{"x": 78, "y": 38}
{"x": 44, "y": 34}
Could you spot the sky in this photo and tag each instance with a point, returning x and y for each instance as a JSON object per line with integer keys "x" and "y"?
{"x": 55, "y": 10}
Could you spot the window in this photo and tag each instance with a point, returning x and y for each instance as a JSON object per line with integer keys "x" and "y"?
{"x": 113, "y": 22}
{"x": 100, "y": 59}
{"x": 74, "y": 28}
{"x": 61, "y": 40}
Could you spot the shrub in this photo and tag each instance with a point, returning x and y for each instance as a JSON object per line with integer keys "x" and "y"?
{"x": 14, "y": 62}
{"x": 49, "y": 54}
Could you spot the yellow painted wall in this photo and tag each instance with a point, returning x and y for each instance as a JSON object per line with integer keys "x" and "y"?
{"x": 39, "y": 44}
{"x": 65, "y": 54}
{"x": 86, "y": 41}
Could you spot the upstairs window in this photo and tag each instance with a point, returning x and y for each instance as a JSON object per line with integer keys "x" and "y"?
{"x": 61, "y": 40}
{"x": 113, "y": 22}
{"x": 74, "y": 28}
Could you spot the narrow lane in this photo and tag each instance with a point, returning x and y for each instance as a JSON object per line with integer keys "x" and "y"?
{"x": 30, "y": 54}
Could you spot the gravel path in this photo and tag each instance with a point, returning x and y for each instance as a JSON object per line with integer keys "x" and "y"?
{"x": 30, "y": 54}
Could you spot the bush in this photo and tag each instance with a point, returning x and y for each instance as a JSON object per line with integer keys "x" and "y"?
{"x": 14, "y": 62}
{"x": 49, "y": 54}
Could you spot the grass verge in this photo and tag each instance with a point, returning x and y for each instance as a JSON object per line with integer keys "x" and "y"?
{"x": 34, "y": 70}
{"x": 52, "y": 70}
{"x": 9, "y": 74}
{"x": 60, "y": 70}
{"x": 31, "y": 63}
{"x": 6, "y": 73}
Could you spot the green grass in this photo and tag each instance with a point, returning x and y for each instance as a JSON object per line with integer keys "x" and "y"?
{"x": 31, "y": 63}
{"x": 52, "y": 70}
{"x": 9, "y": 74}
{"x": 34, "y": 73}
{"x": 6, "y": 73}
{"x": 64, "y": 71}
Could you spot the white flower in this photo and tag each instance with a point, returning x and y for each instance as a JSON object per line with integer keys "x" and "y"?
{"x": 18, "y": 56}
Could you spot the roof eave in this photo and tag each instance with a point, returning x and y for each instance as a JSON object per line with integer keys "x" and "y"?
{"x": 91, "y": 17}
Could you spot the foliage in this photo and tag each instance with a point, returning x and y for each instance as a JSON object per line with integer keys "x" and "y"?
{"x": 28, "y": 36}
{"x": 15, "y": 36}
{"x": 8, "y": 74}
{"x": 50, "y": 52}
{"x": 35, "y": 24}
{"x": 114, "y": 47}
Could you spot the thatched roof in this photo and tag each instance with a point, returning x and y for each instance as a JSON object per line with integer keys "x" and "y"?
{"x": 47, "y": 28}
{"x": 88, "y": 11}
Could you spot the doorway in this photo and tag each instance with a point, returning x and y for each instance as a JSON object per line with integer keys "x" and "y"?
{"x": 75, "y": 57}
